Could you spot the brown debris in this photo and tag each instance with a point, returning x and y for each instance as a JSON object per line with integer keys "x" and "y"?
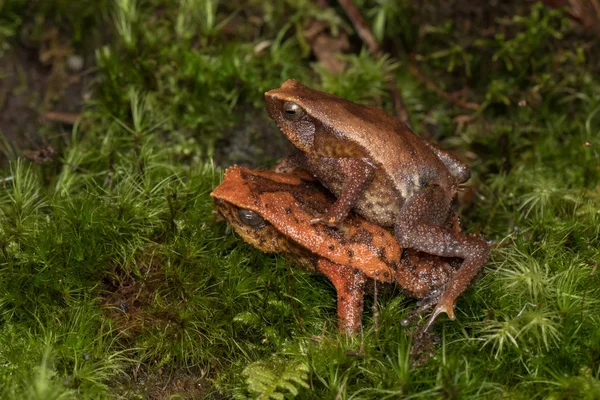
{"x": 62, "y": 117}
{"x": 37, "y": 79}
{"x": 432, "y": 86}
{"x": 128, "y": 301}
{"x": 462, "y": 121}
{"x": 585, "y": 12}
{"x": 422, "y": 348}
{"x": 326, "y": 47}
{"x": 41, "y": 156}
{"x": 361, "y": 26}
{"x": 363, "y": 30}
{"x": 161, "y": 384}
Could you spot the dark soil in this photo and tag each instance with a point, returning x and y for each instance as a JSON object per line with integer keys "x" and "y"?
{"x": 37, "y": 79}
{"x": 128, "y": 302}
{"x": 256, "y": 138}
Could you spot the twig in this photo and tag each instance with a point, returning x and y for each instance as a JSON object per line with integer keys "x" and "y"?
{"x": 361, "y": 26}
{"x": 338, "y": 396}
{"x": 524, "y": 307}
{"x": 64, "y": 118}
{"x": 369, "y": 39}
{"x": 464, "y": 104}
{"x": 399, "y": 106}
{"x": 6, "y": 179}
{"x": 589, "y": 144}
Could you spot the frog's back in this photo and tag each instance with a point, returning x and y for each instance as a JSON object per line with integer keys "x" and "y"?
{"x": 390, "y": 144}
{"x": 363, "y": 245}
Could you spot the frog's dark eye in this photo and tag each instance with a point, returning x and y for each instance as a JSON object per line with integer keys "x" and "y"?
{"x": 292, "y": 111}
{"x": 249, "y": 217}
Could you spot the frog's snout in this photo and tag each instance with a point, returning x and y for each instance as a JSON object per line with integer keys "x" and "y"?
{"x": 271, "y": 105}
{"x": 271, "y": 97}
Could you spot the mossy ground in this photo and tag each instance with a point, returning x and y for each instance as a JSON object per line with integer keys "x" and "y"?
{"x": 115, "y": 281}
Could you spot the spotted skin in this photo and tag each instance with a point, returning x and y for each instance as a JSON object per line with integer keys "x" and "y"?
{"x": 356, "y": 253}
{"x": 349, "y": 284}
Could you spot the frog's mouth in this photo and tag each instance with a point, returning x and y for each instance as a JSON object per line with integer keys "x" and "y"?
{"x": 302, "y": 135}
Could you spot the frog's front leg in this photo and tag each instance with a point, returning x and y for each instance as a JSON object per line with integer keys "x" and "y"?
{"x": 349, "y": 284}
{"x": 420, "y": 226}
{"x": 358, "y": 174}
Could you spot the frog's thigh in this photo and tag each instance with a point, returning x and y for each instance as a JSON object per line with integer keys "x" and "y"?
{"x": 349, "y": 284}
{"x": 418, "y": 227}
{"x": 422, "y": 225}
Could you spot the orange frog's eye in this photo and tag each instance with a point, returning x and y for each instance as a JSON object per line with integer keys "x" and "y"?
{"x": 250, "y": 218}
{"x": 292, "y": 111}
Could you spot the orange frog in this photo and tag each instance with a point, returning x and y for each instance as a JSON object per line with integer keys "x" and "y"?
{"x": 275, "y": 212}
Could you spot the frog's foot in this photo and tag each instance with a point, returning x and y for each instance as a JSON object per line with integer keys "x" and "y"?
{"x": 443, "y": 306}
{"x": 419, "y": 227}
{"x": 427, "y": 302}
{"x": 330, "y": 222}
{"x": 423, "y": 306}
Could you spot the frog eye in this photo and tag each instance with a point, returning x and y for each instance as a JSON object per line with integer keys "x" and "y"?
{"x": 249, "y": 217}
{"x": 292, "y": 111}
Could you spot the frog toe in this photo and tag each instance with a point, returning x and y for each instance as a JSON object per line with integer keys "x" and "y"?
{"x": 324, "y": 221}
{"x": 442, "y": 307}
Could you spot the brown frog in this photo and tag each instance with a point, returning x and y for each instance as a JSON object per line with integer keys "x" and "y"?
{"x": 274, "y": 212}
{"x": 377, "y": 166}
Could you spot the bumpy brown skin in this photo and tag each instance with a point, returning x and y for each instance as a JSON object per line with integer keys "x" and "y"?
{"x": 349, "y": 256}
{"x": 377, "y": 166}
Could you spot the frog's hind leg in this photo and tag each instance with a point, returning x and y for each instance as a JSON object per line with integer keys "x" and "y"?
{"x": 423, "y": 224}
{"x": 349, "y": 284}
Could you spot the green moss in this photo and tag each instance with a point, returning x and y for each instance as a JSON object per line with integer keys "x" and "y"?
{"x": 115, "y": 279}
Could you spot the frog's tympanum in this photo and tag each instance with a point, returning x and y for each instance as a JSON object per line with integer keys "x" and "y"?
{"x": 274, "y": 212}
{"x": 376, "y": 165}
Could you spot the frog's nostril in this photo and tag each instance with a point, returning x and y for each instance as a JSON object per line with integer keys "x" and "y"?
{"x": 270, "y": 95}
